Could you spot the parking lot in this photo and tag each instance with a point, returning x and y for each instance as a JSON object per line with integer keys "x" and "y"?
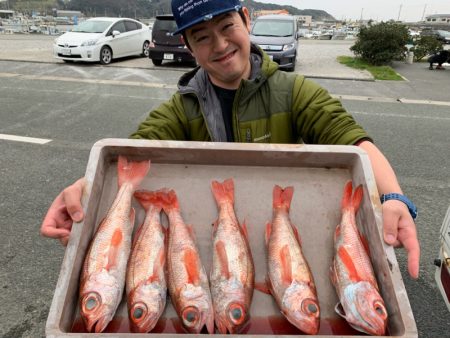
{"x": 74, "y": 105}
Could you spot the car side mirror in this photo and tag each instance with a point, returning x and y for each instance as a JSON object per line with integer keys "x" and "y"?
{"x": 115, "y": 33}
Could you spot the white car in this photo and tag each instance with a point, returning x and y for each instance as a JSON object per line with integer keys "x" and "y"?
{"x": 102, "y": 39}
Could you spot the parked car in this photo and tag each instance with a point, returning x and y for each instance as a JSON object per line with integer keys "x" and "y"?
{"x": 164, "y": 45}
{"x": 103, "y": 39}
{"x": 278, "y": 36}
{"x": 441, "y": 35}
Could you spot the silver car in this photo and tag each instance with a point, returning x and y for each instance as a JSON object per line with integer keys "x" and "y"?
{"x": 277, "y": 35}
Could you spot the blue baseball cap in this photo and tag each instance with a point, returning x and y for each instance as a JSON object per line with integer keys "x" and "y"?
{"x": 188, "y": 13}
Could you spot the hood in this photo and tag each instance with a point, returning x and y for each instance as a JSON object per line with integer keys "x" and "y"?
{"x": 77, "y": 38}
{"x": 272, "y": 40}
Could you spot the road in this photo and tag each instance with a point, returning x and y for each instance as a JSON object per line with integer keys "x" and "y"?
{"x": 73, "y": 106}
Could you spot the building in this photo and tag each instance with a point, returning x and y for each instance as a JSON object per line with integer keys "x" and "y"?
{"x": 438, "y": 19}
{"x": 304, "y": 20}
{"x": 5, "y": 14}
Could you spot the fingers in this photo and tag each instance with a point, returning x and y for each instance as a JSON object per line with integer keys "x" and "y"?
{"x": 391, "y": 218}
{"x": 399, "y": 229}
{"x": 72, "y": 198}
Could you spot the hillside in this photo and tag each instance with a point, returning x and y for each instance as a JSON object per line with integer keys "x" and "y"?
{"x": 139, "y": 8}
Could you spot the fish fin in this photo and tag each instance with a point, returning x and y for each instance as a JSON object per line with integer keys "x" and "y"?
{"x": 340, "y": 310}
{"x": 190, "y": 260}
{"x": 223, "y": 259}
{"x": 116, "y": 241}
{"x": 337, "y": 232}
{"x": 244, "y": 229}
{"x": 168, "y": 200}
{"x": 346, "y": 197}
{"x": 223, "y": 192}
{"x": 297, "y": 236}
{"x": 263, "y": 287}
{"x": 282, "y": 197}
{"x": 158, "y": 265}
{"x": 148, "y": 198}
{"x": 349, "y": 264}
{"x": 286, "y": 265}
{"x": 364, "y": 242}
{"x": 332, "y": 273}
{"x": 357, "y": 197}
{"x": 131, "y": 171}
{"x": 268, "y": 232}
{"x": 132, "y": 216}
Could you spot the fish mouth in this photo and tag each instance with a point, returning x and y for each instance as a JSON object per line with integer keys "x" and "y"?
{"x": 97, "y": 325}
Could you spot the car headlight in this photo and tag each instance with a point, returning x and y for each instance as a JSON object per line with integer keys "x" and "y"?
{"x": 89, "y": 43}
{"x": 289, "y": 46}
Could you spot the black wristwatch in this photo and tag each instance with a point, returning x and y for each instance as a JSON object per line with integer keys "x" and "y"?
{"x": 394, "y": 196}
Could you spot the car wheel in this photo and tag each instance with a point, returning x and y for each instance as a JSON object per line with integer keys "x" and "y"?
{"x": 157, "y": 62}
{"x": 145, "y": 51}
{"x": 105, "y": 55}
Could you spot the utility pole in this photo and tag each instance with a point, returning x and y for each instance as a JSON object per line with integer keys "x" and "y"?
{"x": 423, "y": 14}
{"x": 399, "y": 11}
{"x": 362, "y": 10}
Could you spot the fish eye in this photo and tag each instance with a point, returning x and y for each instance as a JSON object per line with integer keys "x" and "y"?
{"x": 138, "y": 311}
{"x": 190, "y": 315}
{"x": 91, "y": 301}
{"x": 236, "y": 312}
{"x": 310, "y": 306}
{"x": 380, "y": 309}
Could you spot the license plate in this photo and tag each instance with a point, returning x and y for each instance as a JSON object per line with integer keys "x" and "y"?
{"x": 168, "y": 56}
{"x": 65, "y": 51}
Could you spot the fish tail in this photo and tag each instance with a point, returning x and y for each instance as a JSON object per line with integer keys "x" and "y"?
{"x": 282, "y": 197}
{"x": 352, "y": 199}
{"x": 223, "y": 192}
{"x": 131, "y": 171}
{"x": 168, "y": 200}
{"x": 148, "y": 199}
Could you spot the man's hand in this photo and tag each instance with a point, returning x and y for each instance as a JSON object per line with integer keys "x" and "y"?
{"x": 399, "y": 230}
{"x": 65, "y": 209}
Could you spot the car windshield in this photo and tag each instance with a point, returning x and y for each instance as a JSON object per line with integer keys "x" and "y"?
{"x": 165, "y": 25}
{"x": 273, "y": 28}
{"x": 444, "y": 33}
{"x": 92, "y": 26}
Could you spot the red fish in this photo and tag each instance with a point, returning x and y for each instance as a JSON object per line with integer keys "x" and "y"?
{"x": 146, "y": 282}
{"x": 352, "y": 273}
{"x": 187, "y": 281}
{"x": 289, "y": 277}
{"x": 233, "y": 273}
{"x": 103, "y": 276}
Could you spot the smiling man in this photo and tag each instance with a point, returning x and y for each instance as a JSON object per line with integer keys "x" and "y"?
{"x": 237, "y": 94}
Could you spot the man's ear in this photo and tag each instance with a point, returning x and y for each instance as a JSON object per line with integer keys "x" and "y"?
{"x": 184, "y": 41}
{"x": 247, "y": 17}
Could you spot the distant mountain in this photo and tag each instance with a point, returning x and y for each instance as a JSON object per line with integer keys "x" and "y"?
{"x": 141, "y": 8}
{"x": 317, "y": 14}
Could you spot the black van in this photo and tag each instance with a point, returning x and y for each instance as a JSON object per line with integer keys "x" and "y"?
{"x": 164, "y": 45}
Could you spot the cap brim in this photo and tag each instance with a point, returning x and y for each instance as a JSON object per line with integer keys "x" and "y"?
{"x": 206, "y": 18}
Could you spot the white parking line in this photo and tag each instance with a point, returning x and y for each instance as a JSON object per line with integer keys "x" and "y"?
{"x": 24, "y": 139}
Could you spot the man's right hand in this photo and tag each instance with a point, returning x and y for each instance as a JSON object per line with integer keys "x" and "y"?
{"x": 65, "y": 209}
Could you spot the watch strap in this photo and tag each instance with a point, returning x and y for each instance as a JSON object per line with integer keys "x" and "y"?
{"x": 395, "y": 196}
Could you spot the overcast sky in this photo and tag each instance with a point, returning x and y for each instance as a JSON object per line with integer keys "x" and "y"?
{"x": 411, "y": 10}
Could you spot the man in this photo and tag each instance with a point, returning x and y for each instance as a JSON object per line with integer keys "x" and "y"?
{"x": 239, "y": 95}
{"x": 439, "y": 58}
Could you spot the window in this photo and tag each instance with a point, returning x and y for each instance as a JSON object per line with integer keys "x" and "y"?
{"x": 119, "y": 26}
{"x": 132, "y": 26}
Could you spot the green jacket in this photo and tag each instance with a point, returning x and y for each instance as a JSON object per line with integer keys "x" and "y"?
{"x": 271, "y": 107}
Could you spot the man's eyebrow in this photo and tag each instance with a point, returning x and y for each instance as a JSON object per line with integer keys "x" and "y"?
{"x": 217, "y": 20}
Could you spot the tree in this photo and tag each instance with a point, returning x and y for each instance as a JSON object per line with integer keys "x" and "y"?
{"x": 381, "y": 43}
{"x": 426, "y": 45}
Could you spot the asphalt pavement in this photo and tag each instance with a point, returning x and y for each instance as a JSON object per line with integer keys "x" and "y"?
{"x": 43, "y": 97}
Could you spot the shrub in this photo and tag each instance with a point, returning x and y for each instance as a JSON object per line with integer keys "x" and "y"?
{"x": 381, "y": 43}
{"x": 426, "y": 45}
